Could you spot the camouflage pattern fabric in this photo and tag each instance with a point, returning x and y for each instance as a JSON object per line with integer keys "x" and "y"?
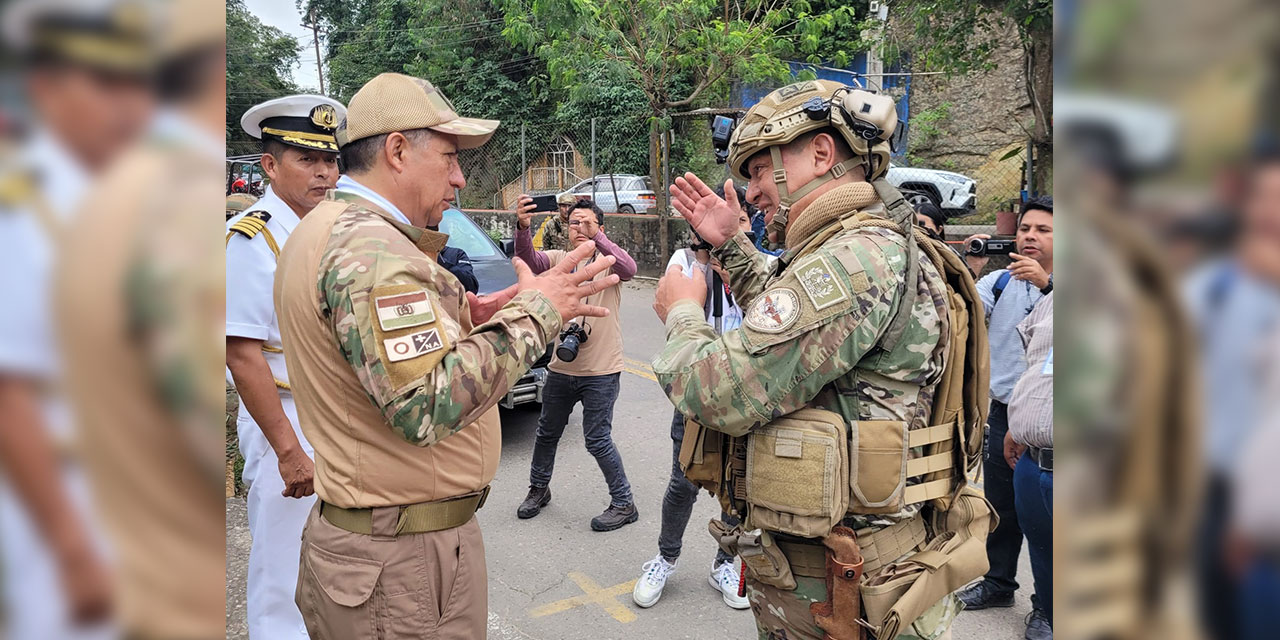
{"x": 784, "y": 615}
{"x": 553, "y": 234}
{"x": 811, "y": 337}
{"x": 451, "y": 373}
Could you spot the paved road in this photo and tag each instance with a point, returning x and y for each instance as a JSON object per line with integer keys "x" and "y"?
{"x": 551, "y": 577}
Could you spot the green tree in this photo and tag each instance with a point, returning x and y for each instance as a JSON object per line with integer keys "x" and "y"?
{"x": 675, "y": 51}
{"x": 258, "y": 61}
{"x": 958, "y": 37}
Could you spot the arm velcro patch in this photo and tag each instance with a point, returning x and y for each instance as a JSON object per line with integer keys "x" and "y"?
{"x": 811, "y": 293}
{"x": 407, "y": 331}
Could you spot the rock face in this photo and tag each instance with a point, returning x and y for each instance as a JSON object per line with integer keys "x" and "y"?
{"x": 967, "y": 123}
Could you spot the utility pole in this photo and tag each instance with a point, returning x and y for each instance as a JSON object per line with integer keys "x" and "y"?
{"x": 315, "y": 31}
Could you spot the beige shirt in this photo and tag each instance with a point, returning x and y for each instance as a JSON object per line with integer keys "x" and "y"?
{"x": 1031, "y": 404}
{"x": 361, "y": 461}
{"x": 601, "y": 354}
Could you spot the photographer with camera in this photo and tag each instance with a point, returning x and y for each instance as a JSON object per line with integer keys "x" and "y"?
{"x": 1008, "y": 296}
{"x": 586, "y": 368}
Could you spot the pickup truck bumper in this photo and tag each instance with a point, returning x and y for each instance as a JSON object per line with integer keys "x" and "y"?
{"x": 527, "y": 389}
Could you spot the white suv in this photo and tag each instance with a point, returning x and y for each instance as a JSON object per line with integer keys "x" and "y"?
{"x": 955, "y": 194}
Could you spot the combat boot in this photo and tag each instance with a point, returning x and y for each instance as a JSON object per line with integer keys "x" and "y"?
{"x": 534, "y": 502}
{"x": 984, "y": 596}
{"x": 615, "y": 517}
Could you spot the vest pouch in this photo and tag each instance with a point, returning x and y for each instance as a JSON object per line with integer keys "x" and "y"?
{"x": 877, "y": 466}
{"x": 702, "y": 456}
{"x": 796, "y": 466}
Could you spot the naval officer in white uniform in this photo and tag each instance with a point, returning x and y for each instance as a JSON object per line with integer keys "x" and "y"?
{"x": 300, "y": 156}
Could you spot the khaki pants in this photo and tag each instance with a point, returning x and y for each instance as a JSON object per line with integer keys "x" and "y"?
{"x": 426, "y": 585}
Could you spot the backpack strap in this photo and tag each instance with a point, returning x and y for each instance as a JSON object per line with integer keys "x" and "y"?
{"x": 1001, "y": 283}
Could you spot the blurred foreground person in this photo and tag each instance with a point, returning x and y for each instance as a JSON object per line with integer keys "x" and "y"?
{"x": 139, "y": 299}
{"x": 300, "y": 155}
{"x": 1235, "y": 304}
{"x": 86, "y": 109}
{"x": 398, "y": 371}
{"x": 848, "y": 405}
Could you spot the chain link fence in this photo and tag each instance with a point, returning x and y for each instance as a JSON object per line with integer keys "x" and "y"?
{"x": 554, "y": 157}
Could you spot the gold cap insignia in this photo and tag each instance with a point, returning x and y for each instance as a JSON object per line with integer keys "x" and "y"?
{"x": 325, "y": 117}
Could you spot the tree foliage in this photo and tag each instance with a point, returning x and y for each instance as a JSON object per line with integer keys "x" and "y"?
{"x": 258, "y": 61}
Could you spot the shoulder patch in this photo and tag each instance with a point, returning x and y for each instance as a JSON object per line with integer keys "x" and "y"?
{"x": 774, "y": 311}
{"x": 821, "y": 285}
{"x": 407, "y": 331}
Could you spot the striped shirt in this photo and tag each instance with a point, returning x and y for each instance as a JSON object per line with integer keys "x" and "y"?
{"x": 1031, "y": 405}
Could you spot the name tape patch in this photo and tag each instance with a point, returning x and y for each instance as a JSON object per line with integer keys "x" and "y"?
{"x": 404, "y": 310}
{"x": 412, "y": 345}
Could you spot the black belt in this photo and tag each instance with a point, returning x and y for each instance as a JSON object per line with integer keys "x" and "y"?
{"x": 1042, "y": 457}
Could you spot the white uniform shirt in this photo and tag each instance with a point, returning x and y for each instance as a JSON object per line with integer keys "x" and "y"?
{"x": 731, "y": 313}
{"x": 251, "y": 313}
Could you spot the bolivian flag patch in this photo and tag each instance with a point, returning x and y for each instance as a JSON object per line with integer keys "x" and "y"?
{"x": 404, "y": 310}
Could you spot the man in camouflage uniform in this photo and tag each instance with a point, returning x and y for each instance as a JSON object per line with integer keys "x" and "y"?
{"x": 553, "y": 233}
{"x": 819, "y": 329}
{"x": 397, "y": 372}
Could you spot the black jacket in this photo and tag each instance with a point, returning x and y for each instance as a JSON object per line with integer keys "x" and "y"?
{"x": 457, "y": 262}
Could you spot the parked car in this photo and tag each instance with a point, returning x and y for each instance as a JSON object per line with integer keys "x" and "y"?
{"x": 494, "y": 272}
{"x": 955, "y": 194}
{"x": 635, "y": 193}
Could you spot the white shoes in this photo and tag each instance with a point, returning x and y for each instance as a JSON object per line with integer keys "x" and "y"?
{"x": 649, "y": 587}
{"x": 725, "y": 579}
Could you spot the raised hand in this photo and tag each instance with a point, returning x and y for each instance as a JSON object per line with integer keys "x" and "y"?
{"x": 676, "y": 286}
{"x": 713, "y": 217}
{"x": 566, "y": 288}
{"x": 524, "y": 211}
{"x": 483, "y": 307}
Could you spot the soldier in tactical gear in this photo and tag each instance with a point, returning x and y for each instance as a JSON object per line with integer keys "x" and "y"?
{"x": 822, "y": 410}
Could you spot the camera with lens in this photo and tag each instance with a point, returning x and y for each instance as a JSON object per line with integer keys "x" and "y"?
{"x": 570, "y": 340}
{"x": 991, "y": 247}
{"x": 721, "y": 132}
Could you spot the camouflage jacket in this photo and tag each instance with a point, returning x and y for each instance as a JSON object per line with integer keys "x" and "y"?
{"x": 812, "y": 332}
{"x": 553, "y": 234}
{"x": 403, "y": 324}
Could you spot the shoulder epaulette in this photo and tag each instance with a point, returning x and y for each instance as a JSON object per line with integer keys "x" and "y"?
{"x": 16, "y": 190}
{"x": 253, "y": 223}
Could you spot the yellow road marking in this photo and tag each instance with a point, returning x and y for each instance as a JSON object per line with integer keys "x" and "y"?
{"x": 638, "y": 368}
{"x": 593, "y": 593}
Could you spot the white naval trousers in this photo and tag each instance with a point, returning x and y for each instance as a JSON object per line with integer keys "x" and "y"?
{"x": 275, "y": 524}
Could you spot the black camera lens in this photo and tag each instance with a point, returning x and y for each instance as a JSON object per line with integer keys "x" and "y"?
{"x": 568, "y": 349}
{"x": 977, "y": 247}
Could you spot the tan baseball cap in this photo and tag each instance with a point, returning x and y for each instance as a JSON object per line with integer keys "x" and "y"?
{"x": 396, "y": 102}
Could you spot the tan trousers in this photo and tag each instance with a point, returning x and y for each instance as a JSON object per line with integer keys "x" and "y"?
{"x": 426, "y": 585}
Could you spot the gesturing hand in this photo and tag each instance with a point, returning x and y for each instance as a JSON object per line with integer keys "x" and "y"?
{"x": 676, "y": 286}
{"x": 483, "y": 307}
{"x": 524, "y": 211}
{"x": 713, "y": 217}
{"x": 1024, "y": 268}
{"x": 565, "y": 287}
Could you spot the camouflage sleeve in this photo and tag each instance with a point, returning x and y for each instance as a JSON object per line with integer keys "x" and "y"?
{"x": 805, "y": 331}
{"x": 427, "y": 377}
{"x": 748, "y": 268}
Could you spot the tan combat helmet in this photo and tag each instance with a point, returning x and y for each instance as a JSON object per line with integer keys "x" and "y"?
{"x": 864, "y": 119}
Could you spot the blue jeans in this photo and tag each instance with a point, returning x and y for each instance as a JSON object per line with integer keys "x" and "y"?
{"x": 677, "y": 503}
{"x": 1033, "y": 496}
{"x": 597, "y": 395}
{"x": 1005, "y": 543}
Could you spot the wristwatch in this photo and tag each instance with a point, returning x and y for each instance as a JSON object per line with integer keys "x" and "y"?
{"x": 1048, "y": 287}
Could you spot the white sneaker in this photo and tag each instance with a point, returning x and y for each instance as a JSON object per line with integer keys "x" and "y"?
{"x": 649, "y": 587}
{"x": 724, "y": 578}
